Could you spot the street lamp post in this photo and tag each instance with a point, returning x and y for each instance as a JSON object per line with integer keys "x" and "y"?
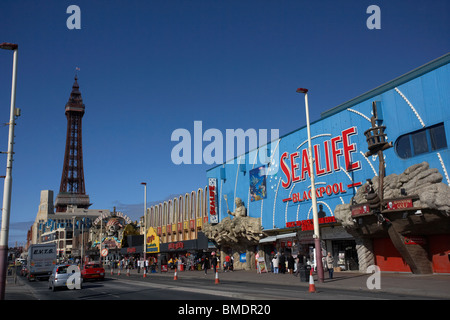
{"x": 145, "y": 227}
{"x": 8, "y": 178}
{"x": 319, "y": 264}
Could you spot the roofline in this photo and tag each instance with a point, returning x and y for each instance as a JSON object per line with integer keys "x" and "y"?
{"x": 430, "y": 66}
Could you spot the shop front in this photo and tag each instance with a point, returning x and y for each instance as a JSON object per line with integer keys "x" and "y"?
{"x": 183, "y": 254}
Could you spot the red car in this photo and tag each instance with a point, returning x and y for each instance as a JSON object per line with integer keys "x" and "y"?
{"x": 93, "y": 270}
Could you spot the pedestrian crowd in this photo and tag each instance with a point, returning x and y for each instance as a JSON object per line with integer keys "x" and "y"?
{"x": 280, "y": 263}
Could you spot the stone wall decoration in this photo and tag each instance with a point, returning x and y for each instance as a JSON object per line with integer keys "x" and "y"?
{"x": 238, "y": 234}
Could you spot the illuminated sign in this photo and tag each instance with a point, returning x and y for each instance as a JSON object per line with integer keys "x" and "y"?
{"x": 212, "y": 196}
{"x": 330, "y": 152}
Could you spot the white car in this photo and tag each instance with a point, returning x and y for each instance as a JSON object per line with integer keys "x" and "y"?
{"x": 65, "y": 275}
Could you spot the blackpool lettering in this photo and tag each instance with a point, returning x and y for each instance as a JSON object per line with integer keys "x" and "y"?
{"x": 329, "y": 190}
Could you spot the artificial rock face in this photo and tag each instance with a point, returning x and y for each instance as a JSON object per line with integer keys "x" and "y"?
{"x": 431, "y": 197}
{"x": 419, "y": 179}
{"x": 238, "y": 230}
{"x": 238, "y": 235}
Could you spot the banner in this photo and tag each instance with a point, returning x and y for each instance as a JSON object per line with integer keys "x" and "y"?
{"x": 152, "y": 242}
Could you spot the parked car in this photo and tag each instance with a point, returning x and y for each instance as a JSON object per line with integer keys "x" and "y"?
{"x": 60, "y": 277}
{"x": 93, "y": 270}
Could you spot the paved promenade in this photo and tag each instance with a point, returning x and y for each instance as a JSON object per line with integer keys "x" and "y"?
{"x": 435, "y": 286}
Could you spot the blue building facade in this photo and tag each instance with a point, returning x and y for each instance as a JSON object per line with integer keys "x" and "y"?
{"x": 415, "y": 108}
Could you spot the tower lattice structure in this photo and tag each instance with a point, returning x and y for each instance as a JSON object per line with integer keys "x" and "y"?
{"x": 72, "y": 190}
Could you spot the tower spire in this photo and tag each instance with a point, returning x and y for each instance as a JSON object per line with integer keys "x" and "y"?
{"x": 72, "y": 189}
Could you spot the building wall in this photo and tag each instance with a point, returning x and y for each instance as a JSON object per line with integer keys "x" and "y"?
{"x": 180, "y": 218}
{"x": 408, "y": 106}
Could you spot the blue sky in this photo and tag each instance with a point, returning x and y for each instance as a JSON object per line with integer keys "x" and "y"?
{"x": 151, "y": 67}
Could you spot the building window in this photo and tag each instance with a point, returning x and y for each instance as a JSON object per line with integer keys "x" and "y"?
{"x": 422, "y": 141}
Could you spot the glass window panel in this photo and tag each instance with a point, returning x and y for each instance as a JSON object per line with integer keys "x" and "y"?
{"x": 419, "y": 140}
{"x": 403, "y": 147}
{"x": 437, "y": 137}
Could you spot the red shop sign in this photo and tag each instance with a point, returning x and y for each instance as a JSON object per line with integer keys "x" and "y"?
{"x": 360, "y": 210}
{"x": 415, "y": 240}
{"x": 176, "y": 245}
{"x": 399, "y": 204}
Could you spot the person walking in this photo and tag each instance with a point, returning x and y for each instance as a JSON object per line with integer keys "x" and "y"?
{"x": 291, "y": 263}
{"x": 275, "y": 263}
{"x": 282, "y": 264}
{"x": 206, "y": 264}
{"x": 214, "y": 263}
{"x": 299, "y": 264}
{"x": 330, "y": 264}
{"x": 227, "y": 262}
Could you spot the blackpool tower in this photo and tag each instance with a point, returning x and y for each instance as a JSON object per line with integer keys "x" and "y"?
{"x": 72, "y": 190}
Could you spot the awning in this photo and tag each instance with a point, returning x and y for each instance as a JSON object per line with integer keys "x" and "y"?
{"x": 287, "y": 235}
{"x": 280, "y": 236}
{"x": 268, "y": 239}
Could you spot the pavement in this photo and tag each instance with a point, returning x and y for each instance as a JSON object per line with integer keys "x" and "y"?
{"x": 433, "y": 286}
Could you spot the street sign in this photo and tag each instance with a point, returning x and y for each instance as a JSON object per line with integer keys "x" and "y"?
{"x": 104, "y": 252}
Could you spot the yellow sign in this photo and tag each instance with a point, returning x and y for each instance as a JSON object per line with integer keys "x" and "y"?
{"x": 152, "y": 242}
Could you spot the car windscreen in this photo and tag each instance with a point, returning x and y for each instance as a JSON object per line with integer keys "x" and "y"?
{"x": 62, "y": 269}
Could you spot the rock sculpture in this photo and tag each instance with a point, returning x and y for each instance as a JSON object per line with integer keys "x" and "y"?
{"x": 233, "y": 231}
{"x": 240, "y": 211}
{"x": 432, "y": 197}
{"x": 240, "y": 234}
{"x": 419, "y": 179}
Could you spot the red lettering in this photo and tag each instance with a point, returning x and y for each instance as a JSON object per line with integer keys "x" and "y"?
{"x": 332, "y": 153}
{"x": 348, "y": 149}
{"x": 319, "y": 171}
{"x": 286, "y": 171}
{"x": 335, "y": 188}
{"x": 305, "y": 164}
{"x": 335, "y": 151}
{"x": 294, "y": 166}
{"x": 212, "y": 200}
{"x": 305, "y": 196}
{"x": 327, "y": 155}
{"x": 322, "y": 190}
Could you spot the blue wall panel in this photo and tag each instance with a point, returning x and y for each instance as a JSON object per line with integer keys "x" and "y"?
{"x": 407, "y": 106}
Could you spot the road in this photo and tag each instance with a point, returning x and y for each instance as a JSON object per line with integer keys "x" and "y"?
{"x": 199, "y": 288}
